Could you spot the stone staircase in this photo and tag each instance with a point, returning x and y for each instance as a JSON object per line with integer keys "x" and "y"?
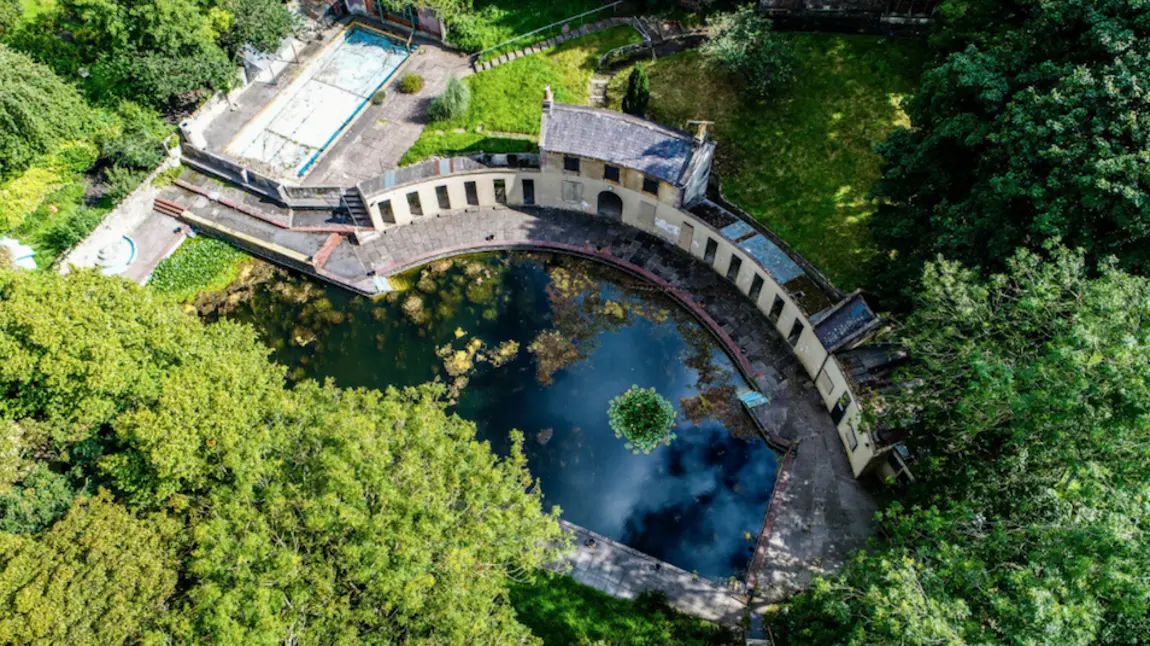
{"x": 572, "y": 34}
{"x": 597, "y": 93}
{"x": 356, "y": 209}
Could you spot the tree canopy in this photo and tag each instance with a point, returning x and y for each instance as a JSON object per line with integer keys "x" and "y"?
{"x": 1028, "y": 408}
{"x": 744, "y": 44}
{"x": 304, "y": 515}
{"x": 38, "y": 112}
{"x": 1028, "y": 127}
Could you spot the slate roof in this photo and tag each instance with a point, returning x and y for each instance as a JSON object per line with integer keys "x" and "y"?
{"x": 616, "y": 138}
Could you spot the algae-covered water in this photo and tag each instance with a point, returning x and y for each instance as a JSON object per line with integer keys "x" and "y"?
{"x": 541, "y": 343}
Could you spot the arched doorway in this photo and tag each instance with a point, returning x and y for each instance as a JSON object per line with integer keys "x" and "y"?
{"x": 610, "y": 205}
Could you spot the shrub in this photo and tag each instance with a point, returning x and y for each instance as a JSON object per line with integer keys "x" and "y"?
{"x": 453, "y": 103}
{"x": 23, "y": 194}
{"x": 122, "y": 181}
{"x": 638, "y": 92}
{"x": 139, "y": 142}
{"x": 745, "y": 45}
{"x": 411, "y": 83}
{"x": 643, "y": 418}
{"x": 378, "y": 97}
{"x": 70, "y": 229}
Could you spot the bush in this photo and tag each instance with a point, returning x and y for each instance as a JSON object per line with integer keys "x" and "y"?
{"x": 70, "y": 229}
{"x": 643, "y": 418}
{"x": 411, "y": 83}
{"x": 453, "y": 103}
{"x": 378, "y": 97}
{"x": 139, "y": 140}
{"x": 23, "y": 194}
{"x": 638, "y": 92}
{"x": 122, "y": 181}
{"x": 745, "y": 45}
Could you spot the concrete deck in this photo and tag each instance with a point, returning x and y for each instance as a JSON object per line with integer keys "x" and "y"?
{"x": 383, "y": 133}
{"x": 820, "y": 512}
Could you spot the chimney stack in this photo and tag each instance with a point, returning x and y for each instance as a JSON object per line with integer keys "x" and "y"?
{"x": 548, "y": 98}
{"x": 701, "y": 131}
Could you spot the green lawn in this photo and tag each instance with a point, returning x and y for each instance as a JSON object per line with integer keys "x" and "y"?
{"x": 463, "y": 143}
{"x": 564, "y": 612}
{"x": 496, "y": 21}
{"x": 201, "y": 264}
{"x": 509, "y": 98}
{"x": 804, "y": 164}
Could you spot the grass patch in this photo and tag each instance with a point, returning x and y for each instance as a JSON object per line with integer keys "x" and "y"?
{"x": 509, "y": 98}
{"x": 492, "y": 22}
{"x": 804, "y": 164}
{"x": 564, "y": 612}
{"x": 463, "y": 143}
{"x": 201, "y": 264}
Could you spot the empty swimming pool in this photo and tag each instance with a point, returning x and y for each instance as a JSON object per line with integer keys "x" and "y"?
{"x": 295, "y": 128}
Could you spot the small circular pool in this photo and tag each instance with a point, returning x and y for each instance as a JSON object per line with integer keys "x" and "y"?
{"x": 541, "y": 343}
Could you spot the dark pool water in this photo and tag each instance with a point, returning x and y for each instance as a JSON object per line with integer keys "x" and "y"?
{"x": 585, "y": 333}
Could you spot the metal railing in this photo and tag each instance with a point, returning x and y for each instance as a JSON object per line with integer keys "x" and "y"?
{"x": 536, "y": 35}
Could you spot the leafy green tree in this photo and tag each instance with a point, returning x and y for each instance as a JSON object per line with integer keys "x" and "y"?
{"x": 138, "y": 142}
{"x": 403, "y": 529}
{"x": 1027, "y": 409}
{"x": 638, "y": 94}
{"x": 642, "y": 417}
{"x": 169, "y": 407}
{"x": 154, "y": 52}
{"x": 99, "y": 576}
{"x": 263, "y": 24}
{"x": 10, "y": 13}
{"x": 38, "y": 112}
{"x": 453, "y": 103}
{"x": 304, "y": 515}
{"x": 36, "y": 502}
{"x": 744, "y": 44}
{"x": 1027, "y": 128}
